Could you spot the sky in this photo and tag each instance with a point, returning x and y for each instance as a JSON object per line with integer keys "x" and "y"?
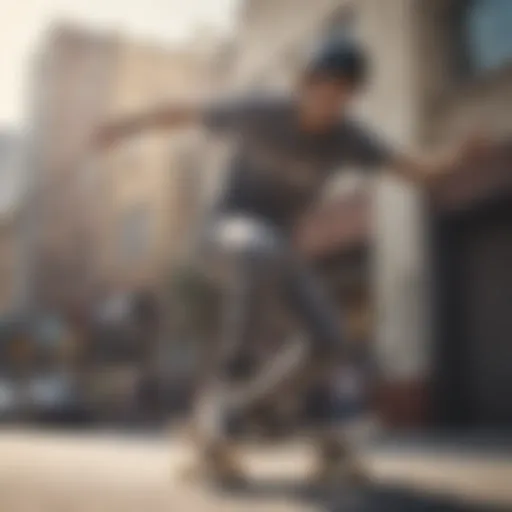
{"x": 23, "y": 24}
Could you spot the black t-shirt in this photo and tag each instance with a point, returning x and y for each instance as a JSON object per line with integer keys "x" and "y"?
{"x": 278, "y": 170}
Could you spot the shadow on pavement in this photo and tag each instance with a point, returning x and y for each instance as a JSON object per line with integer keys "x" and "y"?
{"x": 362, "y": 499}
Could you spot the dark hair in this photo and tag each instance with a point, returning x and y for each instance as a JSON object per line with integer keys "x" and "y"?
{"x": 339, "y": 58}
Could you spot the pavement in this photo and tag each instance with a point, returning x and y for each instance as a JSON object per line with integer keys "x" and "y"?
{"x": 48, "y": 471}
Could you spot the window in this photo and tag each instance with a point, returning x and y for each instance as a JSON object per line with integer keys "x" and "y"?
{"x": 486, "y": 34}
{"x": 134, "y": 234}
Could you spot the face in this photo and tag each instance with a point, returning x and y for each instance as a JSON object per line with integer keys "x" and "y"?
{"x": 322, "y": 101}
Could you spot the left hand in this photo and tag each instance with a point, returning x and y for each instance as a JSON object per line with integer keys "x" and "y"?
{"x": 473, "y": 150}
{"x": 431, "y": 172}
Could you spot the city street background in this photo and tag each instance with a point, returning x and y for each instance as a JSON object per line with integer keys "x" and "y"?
{"x": 108, "y": 322}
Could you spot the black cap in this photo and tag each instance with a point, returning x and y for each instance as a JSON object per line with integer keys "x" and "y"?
{"x": 340, "y": 58}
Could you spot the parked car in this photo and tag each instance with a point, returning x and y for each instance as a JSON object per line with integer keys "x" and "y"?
{"x": 54, "y": 400}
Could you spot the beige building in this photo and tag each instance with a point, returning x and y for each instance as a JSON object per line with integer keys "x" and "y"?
{"x": 109, "y": 222}
{"x": 107, "y": 226}
{"x": 438, "y": 68}
{"x": 69, "y": 92}
{"x": 150, "y": 193}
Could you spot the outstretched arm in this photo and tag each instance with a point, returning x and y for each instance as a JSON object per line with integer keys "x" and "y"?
{"x": 164, "y": 117}
{"x": 368, "y": 151}
{"x": 427, "y": 172}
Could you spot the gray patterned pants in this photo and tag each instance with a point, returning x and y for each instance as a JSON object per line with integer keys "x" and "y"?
{"x": 252, "y": 257}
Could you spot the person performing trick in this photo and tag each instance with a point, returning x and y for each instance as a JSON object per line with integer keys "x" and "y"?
{"x": 286, "y": 148}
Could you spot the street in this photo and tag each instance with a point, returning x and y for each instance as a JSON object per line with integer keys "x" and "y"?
{"x": 62, "y": 472}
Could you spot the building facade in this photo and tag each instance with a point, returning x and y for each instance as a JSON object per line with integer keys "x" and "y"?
{"x": 469, "y": 84}
{"x": 104, "y": 227}
{"x": 113, "y": 220}
{"x": 70, "y": 87}
{"x": 149, "y": 179}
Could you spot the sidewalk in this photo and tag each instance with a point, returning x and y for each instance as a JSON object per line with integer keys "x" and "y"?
{"x": 93, "y": 471}
{"x": 474, "y": 468}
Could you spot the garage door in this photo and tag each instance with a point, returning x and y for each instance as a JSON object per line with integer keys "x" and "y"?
{"x": 476, "y": 335}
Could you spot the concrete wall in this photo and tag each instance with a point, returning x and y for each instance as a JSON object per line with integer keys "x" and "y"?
{"x": 423, "y": 101}
{"x": 401, "y": 254}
